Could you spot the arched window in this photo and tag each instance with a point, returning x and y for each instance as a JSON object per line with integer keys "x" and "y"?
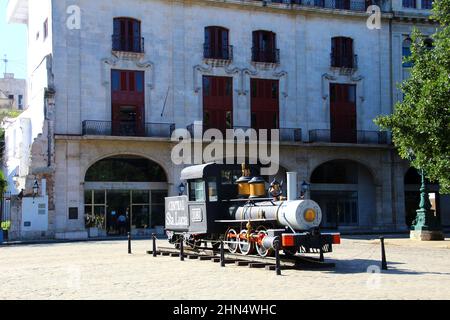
{"x": 265, "y": 47}
{"x": 345, "y": 190}
{"x": 127, "y": 35}
{"x": 406, "y": 53}
{"x": 342, "y": 53}
{"x": 125, "y": 169}
{"x": 217, "y": 43}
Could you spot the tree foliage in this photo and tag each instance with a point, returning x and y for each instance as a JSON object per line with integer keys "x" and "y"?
{"x": 421, "y": 123}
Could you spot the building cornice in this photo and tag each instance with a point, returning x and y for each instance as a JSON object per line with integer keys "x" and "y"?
{"x": 286, "y": 8}
{"x": 17, "y": 11}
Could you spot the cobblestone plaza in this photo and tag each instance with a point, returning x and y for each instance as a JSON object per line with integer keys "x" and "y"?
{"x": 104, "y": 270}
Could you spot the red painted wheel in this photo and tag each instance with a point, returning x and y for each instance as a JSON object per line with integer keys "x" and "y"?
{"x": 232, "y": 240}
{"x": 245, "y": 246}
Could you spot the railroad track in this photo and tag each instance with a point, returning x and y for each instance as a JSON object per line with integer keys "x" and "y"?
{"x": 255, "y": 262}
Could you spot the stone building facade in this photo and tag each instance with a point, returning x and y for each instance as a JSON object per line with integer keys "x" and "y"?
{"x": 12, "y": 92}
{"x": 111, "y": 80}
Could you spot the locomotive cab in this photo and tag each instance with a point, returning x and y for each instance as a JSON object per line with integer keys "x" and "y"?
{"x": 210, "y": 188}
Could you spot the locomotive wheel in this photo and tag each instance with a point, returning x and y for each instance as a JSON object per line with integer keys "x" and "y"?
{"x": 232, "y": 247}
{"x": 263, "y": 252}
{"x": 245, "y": 246}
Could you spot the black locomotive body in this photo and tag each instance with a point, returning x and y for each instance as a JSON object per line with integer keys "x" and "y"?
{"x": 217, "y": 208}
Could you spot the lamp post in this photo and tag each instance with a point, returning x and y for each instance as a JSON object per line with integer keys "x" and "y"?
{"x": 305, "y": 188}
{"x": 35, "y": 189}
{"x": 426, "y": 226}
{"x": 181, "y": 189}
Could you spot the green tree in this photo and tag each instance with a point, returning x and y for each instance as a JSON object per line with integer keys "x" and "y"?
{"x": 421, "y": 123}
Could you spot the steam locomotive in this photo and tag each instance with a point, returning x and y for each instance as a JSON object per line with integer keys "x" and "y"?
{"x": 231, "y": 203}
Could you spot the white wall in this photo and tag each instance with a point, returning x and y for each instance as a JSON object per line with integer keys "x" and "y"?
{"x": 174, "y": 36}
{"x": 34, "y": 215}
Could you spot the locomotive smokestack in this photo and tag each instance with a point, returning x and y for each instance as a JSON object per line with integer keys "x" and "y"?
{"x": 292, "y": 186}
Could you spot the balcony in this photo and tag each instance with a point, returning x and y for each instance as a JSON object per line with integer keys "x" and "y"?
{"x": 286, "y": 134}
{"x": 266, "y": 56}
{"x": 353, "y": 5}
{"x": 345, "y": 62}
{"x": 128, "y": 44}
{"x": 127, "y": 129}
{"x": 362, "y": 137}
{"x": 225, "y": 53}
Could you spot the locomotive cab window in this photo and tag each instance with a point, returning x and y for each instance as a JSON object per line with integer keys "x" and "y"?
{"x": 212, "y": 190}
{"x": 197, "y": 191}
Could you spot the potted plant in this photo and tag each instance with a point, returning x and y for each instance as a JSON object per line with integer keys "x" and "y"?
{"x": 4, "y": 228}
{"x": 94, "y": 223}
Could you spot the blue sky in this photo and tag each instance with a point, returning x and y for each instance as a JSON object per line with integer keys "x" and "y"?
{"x": 13, "y": 43}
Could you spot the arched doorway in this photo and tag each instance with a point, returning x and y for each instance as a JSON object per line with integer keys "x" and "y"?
{"x": 345, "y": 191}
{"x": 412, "y": 195}
{"x": 129, "y": 186}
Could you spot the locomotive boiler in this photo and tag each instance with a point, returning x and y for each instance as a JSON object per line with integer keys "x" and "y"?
{"x": 231, "y": 203}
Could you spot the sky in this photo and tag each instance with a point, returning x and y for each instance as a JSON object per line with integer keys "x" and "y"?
{"x": 13, "y": 43}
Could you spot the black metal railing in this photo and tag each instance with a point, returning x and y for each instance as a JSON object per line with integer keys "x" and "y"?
{"x": 265, "y": 56}
{"x": 127, "y": 129}
{"x": 286, "y": 134}
{"x": 128, "y": 44}
{"x": 291, "y": 135}
{"x": 427, "y": 4}
{"x": 409, "y": 3}
{"x": 348, "y": 61}
{"x": 359, "y": 137}
{"x": 224, "y": 53}
{"x": 353, "y": 5}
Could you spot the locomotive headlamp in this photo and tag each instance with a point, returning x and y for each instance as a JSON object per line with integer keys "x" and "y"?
{"x": 181, "y": 189}
{"x": 310, "y": 215}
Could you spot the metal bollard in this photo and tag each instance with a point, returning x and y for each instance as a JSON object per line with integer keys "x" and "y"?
{"x": 277, "y": 258}
{"x": 322, "y": 258}
{"x": 384, "y": 265}
{"x": 154, "y": 245}
{"x": 182, "y": 249}
{"x": 222, "y": 254}
{"x": 129, "y": 243}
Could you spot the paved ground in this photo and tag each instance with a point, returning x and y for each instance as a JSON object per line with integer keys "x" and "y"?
{"x": 104, "y": 270}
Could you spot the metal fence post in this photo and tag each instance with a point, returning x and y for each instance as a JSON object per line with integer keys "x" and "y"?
{"x": 277, "y": 257}
{"x": 384, "y": 265}
{"x": 154, "y": 245}
{"x": 182, "y": 249}
{"x": 129, "y": 242}
{"x": 222, "y": 254}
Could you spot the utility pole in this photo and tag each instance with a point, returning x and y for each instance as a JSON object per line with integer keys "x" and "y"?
{"x": 5, "y": 60}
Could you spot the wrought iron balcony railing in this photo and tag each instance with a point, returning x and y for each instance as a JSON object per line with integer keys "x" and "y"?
{"x": 225, "y": 53}
{"x": 265, "y": 56}
{"x": 349, "y": 61}
{"x": 127, "y": 129}
{"x": 353, "y": 5}
{"x": 286, "y": 134}
{"x": 359, "y": 137}
{"x": 128, "y": 44}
